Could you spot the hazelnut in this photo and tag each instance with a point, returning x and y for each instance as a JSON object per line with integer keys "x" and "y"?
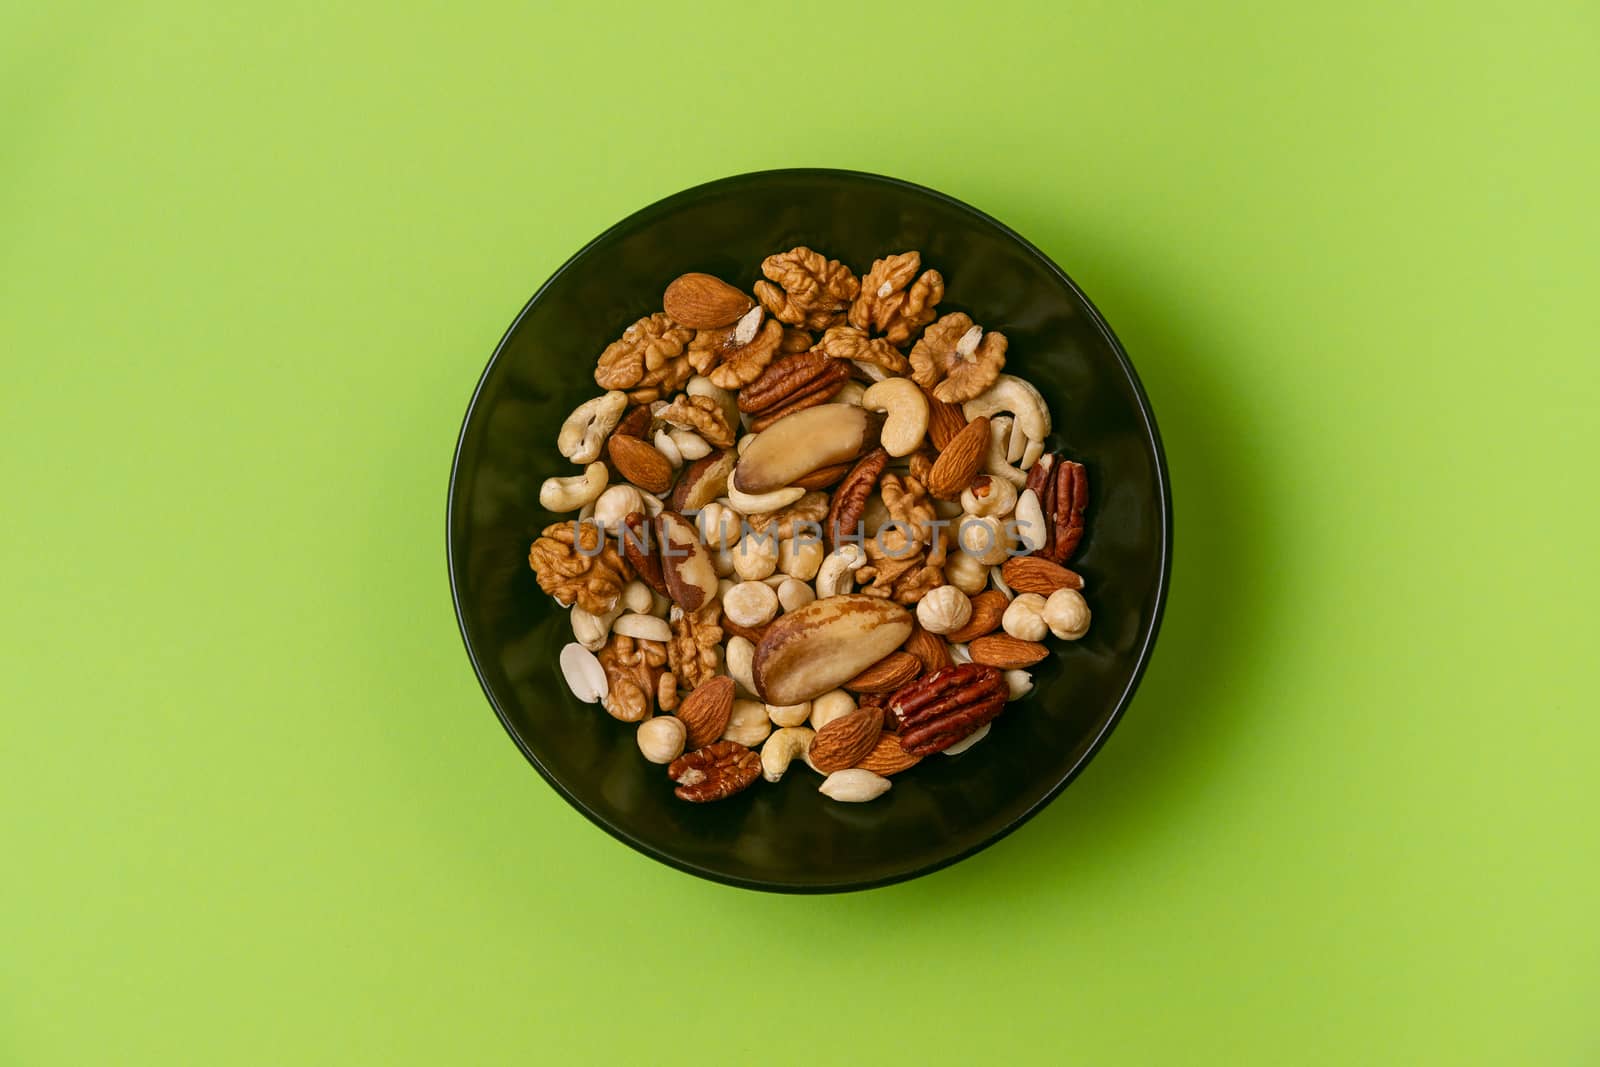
{"x": 1024, "y": 618}
{"x": 944, "y": 609}
{"x": 988, "y": 496}
{"x": 1067, "y": 614}
{"x": 966, "y": 573}
{"x": 616, "y": 504}
{"x": 751, "y": 604}
{"x": 983, "y": 537}
{"x": 755, "y": 556}
{"x": 661, "y": 739}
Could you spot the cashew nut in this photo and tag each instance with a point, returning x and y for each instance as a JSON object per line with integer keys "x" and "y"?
{"x": 854, "y": 786}
{"x": 994, "y": 459}
{"x": 906, "y": 414}
{"x": 637, "y": 598}
{"x": 833, "y": 704}
{"x": 837, "y": 573}
{"x": 761, "y": 503}
{"x": 794, "y": 593}
{"x": 1024, "y": 618}
{"x": 750, "y": 604}
{"x": 642, "y": 627}
{"x": 591, "y": 630}
{"x": 966, "y": 573}
{"x": 1019, "y": 683}
{"x": 740, "y": 661}
{"x": 1021, "y": 399}
{"x": 690, "y": 445}
{"x": 652, "y": 504}
{"x": 616, "y": 504}
{"x": 787, "y": 715}
{"x": 781, "y": 749}
{"x": 668, "y": 448}
{"x": 960, "y": 654}
{"x": 850, "y": 394}
{"x": 1028, "y": 521}
{"x": 584, "y": 432}
{"x": 989, "y": 496}
{"x": 944, "y": 609}
{"x": 748, "y": 723}
{"x": 661, "y": 738}
{"x": 755, "y": 556}
{"x": 570, "y": 494}
{"x": 967, "y": 742}
{"x": 1067, "y": 614}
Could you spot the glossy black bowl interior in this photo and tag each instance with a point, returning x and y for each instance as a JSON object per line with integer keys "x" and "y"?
{"x": 787, "y": 836}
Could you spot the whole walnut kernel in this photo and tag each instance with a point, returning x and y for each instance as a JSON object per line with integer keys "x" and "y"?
{"x": 703, "y": 415}
{"x": 905, "y": 561}
{"x": 633, "y": 670}
{"x": 956, "y": 360}
{"x": 895, "y": 302}
{"x": 648, "y": 360}
{"x": 730, "y": 365}
{"x": 812, "y": 291}
{"x": 692, "y": 652}
{"x": 593, "y": 577}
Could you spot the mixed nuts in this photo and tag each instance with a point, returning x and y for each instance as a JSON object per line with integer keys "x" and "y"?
{"x": 817, "y": 522}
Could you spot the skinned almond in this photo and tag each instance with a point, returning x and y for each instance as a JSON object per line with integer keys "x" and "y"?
{"x": 1034, "y": 574}
{"x": 639, "y": 462}
{"x": 960, "y": 460}
{"x": 704, "y": 302}
{"x": 1006, "y": 652}
{"x": 705, "y": 711}
{"x": 887, "y": 756}
{"x": 988, "y": 611}
{"x": 821, "y": 645}
{"x": 888, "y": 674}
{"x": 845, "y": 741}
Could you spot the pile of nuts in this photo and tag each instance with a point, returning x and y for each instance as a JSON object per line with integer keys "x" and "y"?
{"x": 820, "y": 523}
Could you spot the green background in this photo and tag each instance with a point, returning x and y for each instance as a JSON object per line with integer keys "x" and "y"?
{"x": 254, "y": 807}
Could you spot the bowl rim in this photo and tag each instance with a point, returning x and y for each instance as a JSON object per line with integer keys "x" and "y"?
{"x": 733, "y": 183}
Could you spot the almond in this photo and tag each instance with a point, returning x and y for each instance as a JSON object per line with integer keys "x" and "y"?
{"x": 945, "y": 421}
{"x": 958, "y": 463}
{"x": 930, "y": 649}
{"x": 640, "y": 463}
{"x": 704, "y": 302}
{"x": 705, "y": 711}
{"x": 888, "y": 757}
{"x": 845, "y": 741}
{"x": 888, "y": 674}
{"x": 988, "y": 609}
{"x": 1006, "y": 652}
{"x": 1033, "y": 574}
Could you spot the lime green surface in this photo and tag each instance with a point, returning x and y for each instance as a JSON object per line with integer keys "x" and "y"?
{"x": 253, "y": 808}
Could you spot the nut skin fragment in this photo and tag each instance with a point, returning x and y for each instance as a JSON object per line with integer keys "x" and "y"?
{"x": 648, "y": 360}
{"x": 701, "y": 414}
{"x": 894, "y": 301}
{"x": 592, "y": 574}
{"x": 850, "y": 498}
{"x": 944, "y": 707}
{"x": 938, "y": 364}
{"x": 704, "y": 301}
{"x": 811, "y": 291}
{"x": 715, "y": 772}
{"x": 850, "y": 345}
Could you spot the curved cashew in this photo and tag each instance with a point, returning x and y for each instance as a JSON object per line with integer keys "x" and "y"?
{"x": 1028, "y": 522}
{"x": 787, "y": 715}
{"x": 781, "y": 749}
{"x": 1021, "y": 399}
{"x": 637, "y": 598}
{"x": 837, "y": 573}
{"x": 591, "y": 630}
{"x": 668, "y": 448}
{"x": 690, "y": 445}
{"x": 994, "y": 460}
{"x": 570, "y": 494}
{"x": 907, "y": 414}
{"x": 661, "y": 738}
{"x": 998, "y": 579}
{"x": 850, "y": 394}
{"x": 1067, "y": 614}
{"x": 584, "y": 432}
{"x": 1024, "y": 618}
{"x": 760, "y": 503}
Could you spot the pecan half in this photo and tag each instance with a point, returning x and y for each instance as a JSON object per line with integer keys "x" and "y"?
{"x": 937, "y": 711}
{"x": 847, "y": 342}
{"x": 790, "y": 384}
{"x": 850, "y": 498}
{"x": 1063, "y": 490}
{"x": 894, "y": 301}
{"x": 812, "y": 290}
{"x": 714, "y": 772}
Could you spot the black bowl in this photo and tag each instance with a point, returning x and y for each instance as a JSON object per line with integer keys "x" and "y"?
{"x": 788, "y": 837}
